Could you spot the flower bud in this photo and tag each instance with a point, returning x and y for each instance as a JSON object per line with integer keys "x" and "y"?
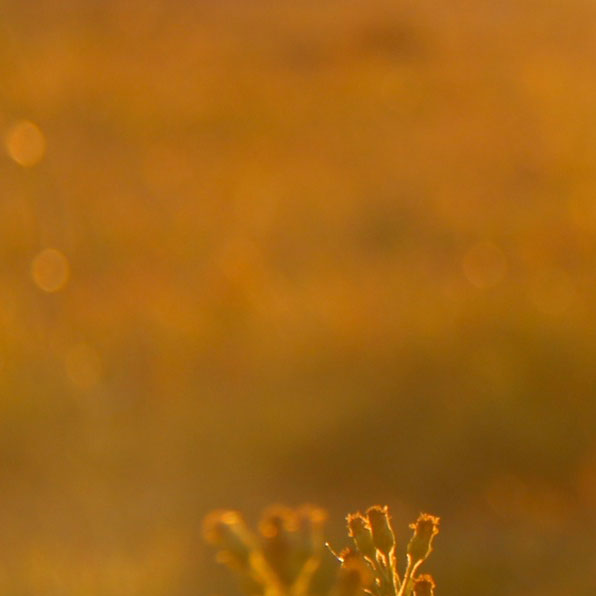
{"x": 424, "y": 586}
{"x": 359, "y": 530}
{"x": 228, "y": 531}
{"x": 279, "y": 527}
{"x": 382, "y": 532}
{"x": 425, "y": 529}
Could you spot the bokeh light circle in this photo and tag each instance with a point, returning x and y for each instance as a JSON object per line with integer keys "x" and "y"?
{"x": 25, "y": 143}
{"x": 50, "y": 270}
{"x": 484, "y": 265}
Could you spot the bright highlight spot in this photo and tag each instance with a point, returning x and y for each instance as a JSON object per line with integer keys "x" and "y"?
{"x": 83, "y": 366}
{"x": 25, "y": 143}
{"x": 484, "y": 265}
{"x": 50, "y": 270}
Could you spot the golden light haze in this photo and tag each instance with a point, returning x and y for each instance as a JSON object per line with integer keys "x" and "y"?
{"x": 327, "y": 252}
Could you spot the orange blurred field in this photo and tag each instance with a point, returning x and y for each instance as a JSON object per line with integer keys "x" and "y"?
{"x": 330, "y": 252}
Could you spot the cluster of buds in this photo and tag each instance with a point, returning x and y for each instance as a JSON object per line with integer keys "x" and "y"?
{"x": 287, "y": 555}
{"x": 374, "y": 538}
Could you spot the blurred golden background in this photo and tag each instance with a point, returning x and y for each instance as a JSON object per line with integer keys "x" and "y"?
{"x": 341, "y": 252}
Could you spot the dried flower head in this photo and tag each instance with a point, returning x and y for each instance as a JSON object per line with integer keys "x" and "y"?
{"x": 425, "y": 529}
{"x": 424, "y": 586}
{"x": 288, "y": 558}
{"x": 380, "y": 525}
{"x": 359, "y": 529}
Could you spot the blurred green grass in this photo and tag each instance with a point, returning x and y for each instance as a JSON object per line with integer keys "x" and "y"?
{"x": 338, "y": 252}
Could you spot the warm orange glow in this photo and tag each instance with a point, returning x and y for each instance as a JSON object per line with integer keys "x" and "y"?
{"x": 484, "y": 265}
{"x": 553, "y": 292}
{"x": 83, "y": 366}
{"x": 326, "y": 251}
{"x": 50, "y": 270}
{"x": 25, "y": 143}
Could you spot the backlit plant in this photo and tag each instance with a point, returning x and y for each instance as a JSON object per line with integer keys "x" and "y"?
{"x": 288, "y": 555}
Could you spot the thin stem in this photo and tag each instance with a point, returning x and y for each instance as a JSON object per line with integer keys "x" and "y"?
{"x": 393, "y": 574}
{"x": 409, "y": 574}
{"x": 386, "y": 571}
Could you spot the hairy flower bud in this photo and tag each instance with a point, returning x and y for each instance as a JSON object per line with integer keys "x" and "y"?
{"x": 425, "y": 529}
{"x": 382, "y": 532}
{"x": 424, "y": 586}
{"x": 359, "y": 530}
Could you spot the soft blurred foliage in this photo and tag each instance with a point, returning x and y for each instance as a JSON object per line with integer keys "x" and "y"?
{"x": 332, "y": 251}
